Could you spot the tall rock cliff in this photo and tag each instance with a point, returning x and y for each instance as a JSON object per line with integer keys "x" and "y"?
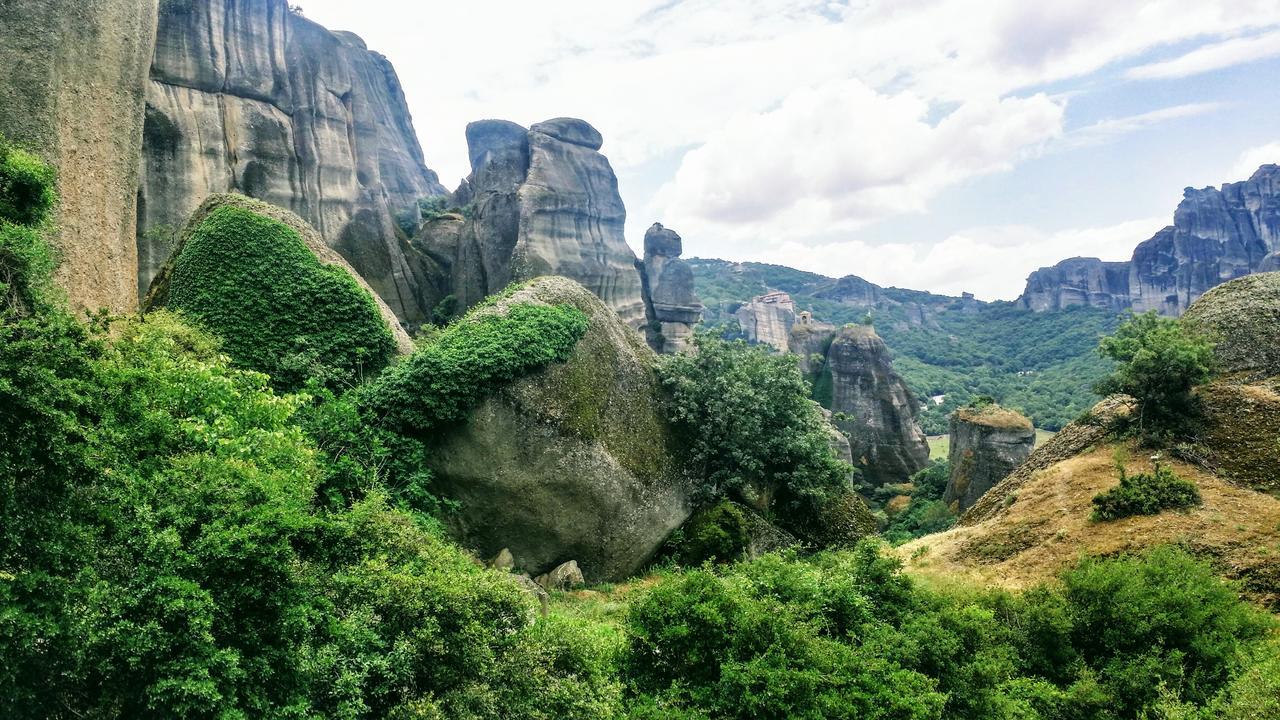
{"x": 768, "y": 319}
{"x": 884, "y": 434}
{"x": 72, "y": 89}
{"x": 247, "y": 96}
{"x": 541, "y": 201}
{"x": 671, "y": 303}
{"x": 1218, "y": 234}
{"x": 987, "y": 443}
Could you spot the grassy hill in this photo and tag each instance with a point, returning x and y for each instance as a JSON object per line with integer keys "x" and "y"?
{"x": 1042, "y": 364}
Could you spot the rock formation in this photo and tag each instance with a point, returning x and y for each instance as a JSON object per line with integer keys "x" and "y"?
{"x": 72, "y": 90}
{"x": 884, "y": 435}
{"x": 987, "y": 443}
{"x": 251, "y": 97}
{"x": 541, "y": 201}
{"x": 1218, "y": 234}
{"x": 768, "y": 319}
{"x": 1242, "y": 318}
{"x": 671, "y": 303}
{"x": 1078, "y": 281}
{"x": 576, "y": 462}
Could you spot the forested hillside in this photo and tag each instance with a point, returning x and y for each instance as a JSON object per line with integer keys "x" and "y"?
{"x": 1043, "y": 364}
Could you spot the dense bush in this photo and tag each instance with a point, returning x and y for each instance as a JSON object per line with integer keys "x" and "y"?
{"x": 1145, "y": 494}
{"x": 252, "y": 281}
{"x": 26, "y": 260}
{"x": 26, "y": 186}
{"x": 1158, "y": 363}
{"x": 845, "y": 635}
{"x": 750, "y": 425}
{"x": 926, "y": 513}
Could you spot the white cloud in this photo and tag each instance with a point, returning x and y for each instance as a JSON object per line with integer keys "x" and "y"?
{"x": 1253, "y": 158}
{"x": 992, "y": 262}
{"x": 1217, "y": 56}
{"x": 837, "y": 157}
{"x": 1107, "y": 130}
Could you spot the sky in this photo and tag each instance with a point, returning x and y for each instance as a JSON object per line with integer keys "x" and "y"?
{"x": 943, "y": 145}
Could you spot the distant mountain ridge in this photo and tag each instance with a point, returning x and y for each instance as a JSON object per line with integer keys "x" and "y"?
{"x": 1217, "y": 235}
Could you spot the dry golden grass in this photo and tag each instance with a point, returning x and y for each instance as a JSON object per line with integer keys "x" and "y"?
{"x": 1046, "y": 527}
{"x": 995, "y": 416}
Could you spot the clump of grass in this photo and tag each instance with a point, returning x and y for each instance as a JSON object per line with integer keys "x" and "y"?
{"x": 1145, "y": 494}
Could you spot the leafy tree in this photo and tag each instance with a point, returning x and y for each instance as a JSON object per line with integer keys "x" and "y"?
{"x": 1158, "y": 363}
{"x": 750, "y": 424}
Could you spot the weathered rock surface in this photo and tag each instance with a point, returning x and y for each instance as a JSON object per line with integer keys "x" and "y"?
{"x": 72, "y": 90}
{"x": 541, "y": 201}
{"x": 1218, "y": 234}
{"x": 1078, "y": 281}
{"x": 1270, "y": 263}
{"x": 672, "y": 308}
{"x": 574, "y": 462}
{"x": 158, "y": 294}
{"x": 884, "y": 435}
{"x": 251, "y": 97}
{"x": 987, "y": 444}
{"x": 563, "y": 577}
{"x": 1242, "y": 318}
{"x": 768, "y": 319}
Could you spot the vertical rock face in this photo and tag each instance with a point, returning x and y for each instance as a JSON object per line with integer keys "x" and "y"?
{"x": 72, "y": 90}
{"x": 768, "y": 319}
{"x": 987, "y": 444}
{"x": 541, "y": 201}
{"x": 1218, "y": 234}
{"x": 248, "y": 96}
{"x": 884, "y": 434}
{"x": 1078, "y": 281}
{"x": 671, "y": 303}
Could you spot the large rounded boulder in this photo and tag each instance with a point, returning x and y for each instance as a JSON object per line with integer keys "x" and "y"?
{"x": 282, "y": 301}
{"x": 1242, "y": 318}
{"x": 575, "y": 461}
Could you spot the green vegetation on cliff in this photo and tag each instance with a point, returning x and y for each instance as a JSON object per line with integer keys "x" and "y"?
{"x": 252, "y": 281}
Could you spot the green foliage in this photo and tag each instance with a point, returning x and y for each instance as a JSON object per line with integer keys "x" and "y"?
{"x": 445, "y": 311}
{"x": 1145, "y": 494}
{"x": 252, "y": 281}
{"x": 926, "y": 514}
{"x": 26, "y": 187}
{"x": 845, "y": 635}
{"x": 466, "y": 362}
{"x": 1158, "y": 363}
{"x": 749, "y": 424}
{"x": 718, "y": 533}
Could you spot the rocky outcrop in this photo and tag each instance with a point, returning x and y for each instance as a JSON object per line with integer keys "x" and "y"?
{"x": 987, "y": 443}
{"x": 1270, "y": 263}
{"x": 1242, "y": 318}
{"x": 885, "y": 437}
{"x": 251, "y": 97}
{"x": 576, "y": 462}
{"x": 672, "y": 308}
{"x": 1218, "y": 234}
{"x": 72, "y": 90}
{"x": 1078, "y": 281}
{"x": 768, "y": 320}
{"x": 541, "y": 201}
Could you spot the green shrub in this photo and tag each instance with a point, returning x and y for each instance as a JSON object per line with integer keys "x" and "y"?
{"x": 926, "y": 514}
{"x": 1145, "y": 494}
{"x": 26, "y": 187}
{"x": 1158, "y": 363}
{"x": 450, "y": 374}
{"x": 750, "y": 424}
{"x": 718, "y": 533}
{"x": 252, "y": 281}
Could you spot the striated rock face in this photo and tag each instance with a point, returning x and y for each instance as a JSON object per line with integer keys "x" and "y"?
{"x": 1078, "y": 281}
{"x": 884, "y": 435}
{"x": 987, "y": 444}
{"x": 541, "y": 201}
{"x": 576, "y": 462}
{"x": 768, "y": 319}
{"x": 72, "y": 90}
{"x": 671, "y": 303}
{"x": 1218, "y": 234}
{"x": 248, "y": 96}
{"x": 1270, "y": 263}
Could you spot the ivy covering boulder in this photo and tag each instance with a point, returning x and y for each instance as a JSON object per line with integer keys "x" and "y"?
{"x": 282, "y": 301}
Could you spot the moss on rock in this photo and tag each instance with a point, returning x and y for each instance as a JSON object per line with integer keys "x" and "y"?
{"x": 282, "y": 302}
{"x": 1242, "y": 318}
